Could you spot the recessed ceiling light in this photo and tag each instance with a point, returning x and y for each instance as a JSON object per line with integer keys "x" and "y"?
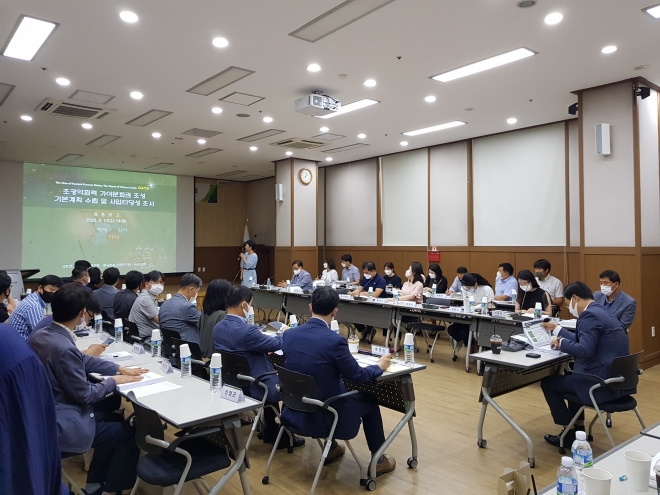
{"x": 356, "y": 105}
{"x": 554, "y": 18}
{"x": 512, "y": 120}
{"x": 482, "y": 65}
{"x": 128, "y": 16}
{"x": 253, "y": 148}
{"x": 156, "y": 134}
{"x": 289, "y": 153}
{"x": 268, "y": 120}
{"x": 220, "y": 42}
{"x": 362, "y": 136}
{"x": 324, "y": 129}
{"x": 26, "y": 118}
{"x": 524, "y": 4}
{"x": 429, "y": 99}
{"x": 201, "y": 141}
{"x": 313, "y": 67}
{"x": 468, "y": 109}
{"x": 653, "y": 11}
{"x": 609, "y": 49}
{"x": 328, "y": 159}
{"x": 136, "y": 95}
{"x": 369, "y": 83}
{"x": 404, "y": 143}
{"x": 62, "y": 81}
{"x": 642, "y": 67}
{"x": 28, "y": 38}
{"x": 87, "y": 125}
{"x": 434, "y": 128}
{"x": 216, "y": 110}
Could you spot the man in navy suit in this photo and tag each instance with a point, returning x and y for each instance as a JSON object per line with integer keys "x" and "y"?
{"x": 233, "y": 334}
{"x": 313, "y": 349}
{"x": 614, "y": 299}
{"x": 81, "y": 423}
{"x": 599, "y": 338}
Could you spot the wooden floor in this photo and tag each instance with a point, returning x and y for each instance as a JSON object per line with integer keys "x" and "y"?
{"x": 449, "y": 460}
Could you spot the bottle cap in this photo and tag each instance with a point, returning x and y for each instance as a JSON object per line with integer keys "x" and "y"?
{"x": 580, "y": 435}
{"x": 169, "y": 296}
{"x": 216, "y": 360}
{"x": 471, "y": 298}
{"x": 119, "y": 322}
{"x": 184, "y": 350}
{"x": 155, "y": 334}
{"x": 537, "y": 305}
{"x": 97, "y": 316}
{"x": 409, "y": 339}
{"x": 334, "y": 325}
{"x": 567, "y": 461}
{"x": 293, "y": 319}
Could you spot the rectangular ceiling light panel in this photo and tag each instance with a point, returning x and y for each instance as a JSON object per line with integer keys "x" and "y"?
{"x": 159, "y": 166}
{"x": 5, "y": 91}
{"x": 28, "y": 37}
{"x": 260, "y": 135}
{"x": 345, "y": 148}
{"x": 242, "y": 99}
{"x": 148, "y": 118}
{"x": 103, "y": 140}
{"x": 489, "y": 63}
{"x": 329, "y": 136}
{"x": 435, "y": 128}
{"x": 220, "y": 80}
{"x": 351, "y": 107}
{"x": 68, "y": 158}
{"x": 91, "y": 97}
{"x": 335, "y": 19}
{"x": 205, "y": 133}
{"x": 204, "y": 152}
{"x": 653, "y": 11}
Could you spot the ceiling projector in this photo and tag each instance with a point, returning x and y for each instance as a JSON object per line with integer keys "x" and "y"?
{"x": 317, "y": 104}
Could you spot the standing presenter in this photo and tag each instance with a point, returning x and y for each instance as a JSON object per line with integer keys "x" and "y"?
{"x": 249, "y": 261}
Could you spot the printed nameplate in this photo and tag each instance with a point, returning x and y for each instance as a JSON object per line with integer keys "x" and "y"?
{"x": 295, "y": 290}
{"x": 409, "y": 304}
{"x": 346, "y": 297}
{"x": 166, "y": 366}
{"x": 379, "y": 350}
{"x": 232, "y": 393}
{"x": 105, "y": 336}
{"x": 138, "y": 348}
{"x": 455, "y": 309}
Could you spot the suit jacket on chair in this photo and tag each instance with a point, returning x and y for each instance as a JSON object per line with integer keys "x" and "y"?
{"x": 313, "y": 349}
{"x": 623, "y": 307}
{"x": 74, "y": 394}
{"x": 599, "y": 338}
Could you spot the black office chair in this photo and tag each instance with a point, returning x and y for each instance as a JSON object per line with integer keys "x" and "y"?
{"x": 168, "y": 349}
{"x": 107, "y": 322}
{"x": 236, "y": 373}
{"x": 624, "y": 375}
{"x": 131, "y": 332}
{"x": 198, "y": 366}
{"x": 168, "y": 463}
{"x": 299, "y": 392}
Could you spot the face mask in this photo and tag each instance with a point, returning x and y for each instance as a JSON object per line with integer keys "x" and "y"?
{"x": 47, "y": 297}
{"x": 539, "y": 275}
{"x": 526, "y": 288}
{"x": 343, "y": 265}
{"x": 388, "y": 272}
{"x": 297, "y": 272}
{"x": 408, "y": 274}
{"x": 431, "y": 275}
{"x": 367, "y": 276}
{"x": 499, "y": 275}
{"x": 156, "y": 289}
{"x": 573, "y": 309}
{"x": 606, "y": 289}
{"x": 325, "y": 265}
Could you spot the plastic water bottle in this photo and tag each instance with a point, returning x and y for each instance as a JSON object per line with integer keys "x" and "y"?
{"x": 514, "y": 295}
{"x": 582, "y": 458}
{"x": 293, "y": 321}
{"x": 409, "y": 349}
{"x": 537, "y": 311}
{"x": 98, "y": 323}
{"x": 288, "y": 285}
{"x": 250, "y": 317}
{"x": 216, "y": 372}
{"x": 250, "y": 282}
{"x": 471, "y": 304}
{"x": 371, "y": 293}
{"x": 395, "y": 296}
{"x": 268, "y": 283}
{"x": 186, "y": 361}
{"x": 434, "y": 288}
{"x": 484, "y": 305}
{"x": 155, "y": 343}
{"x": 119, "y": 330}
{"x": 566, "y": 479}
{"x": 348, "y": 282}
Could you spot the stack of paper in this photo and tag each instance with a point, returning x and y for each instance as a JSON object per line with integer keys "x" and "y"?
{"x": 147, "y": 379}
{"x": 116, "y": 356}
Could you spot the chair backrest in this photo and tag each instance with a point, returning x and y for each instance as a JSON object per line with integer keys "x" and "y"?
{"x": 131, "y": 332}
{"x": 294, "y": 386}
{"x": 147, "y": 422}
{"x": 105, "y": 316}
{"x": 232, "y": 365}
{"x": 628, "y": 368}
{"x": 168, "y": 348}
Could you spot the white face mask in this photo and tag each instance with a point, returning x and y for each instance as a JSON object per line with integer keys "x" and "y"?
{"x": 526, "y": 288}
{"x": 431, "y": 275}
{"x": 367, "y": 276}
{"x": 573, "y": 309}
{"x": 606, "y": 289}
{"x": 408, "y": 274}
{"x": 343, "y": 265}
{"x": 156, "y": 289}
{"x": 388, "y": 272}
{"x": 246, "y": 312}
{"x": 297, "y": 272}
{"x": 325, "y": 265}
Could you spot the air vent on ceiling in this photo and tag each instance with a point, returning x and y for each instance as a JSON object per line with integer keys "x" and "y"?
{"x": 59, "y": 107}
{"x": 345, "y": 148}
{"x": 298, "y": 144}
{"x": 233, "y": 172}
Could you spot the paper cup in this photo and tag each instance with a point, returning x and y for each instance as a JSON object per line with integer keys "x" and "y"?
{"x": 216, "y": 360}
{"x": 123, "y": 286}
{"x": 184, "y": 350}
{"x": 334, "y": 325}
{"x": 597, "y": 481}
{"x": 293, "y": 319}
{"x": 638, "y": 465}
{"x": 409, "y": 339}
{"x": 28, "y": 292}
{"x": 155, "y": 335}
{"x": 169, "y": 296}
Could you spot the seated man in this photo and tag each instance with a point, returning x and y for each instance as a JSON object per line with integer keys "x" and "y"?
{"x": 234, "y": 335}
{"x": 79, "y": 264}
{"x": 552, "y": 285}
{"x": 313, "y": 349}
{"x": 617, "y": 302}
{"x": 349, "y": 271}
{"x": 144, "y": 312}
{"x": 80, "y": 276}
{"x": 180, "y": 313}
{"x": 33, "y": 308}
{"x": 301, "y": 277}
{"x": 5, "y": 293}
{"x": 370, "y": 279}
{"x": 457, "y": 285}
{"x": 124, "y": 299}
{"x": 505, "y": 283}
{"x": 81, "y": 426}
{"x": 599, "y": 338}
{"x": 107, "y": 292}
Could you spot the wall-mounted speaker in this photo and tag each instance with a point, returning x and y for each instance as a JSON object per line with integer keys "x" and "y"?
{"x": 279, "y": 192}
{"x": 602, "y": 139}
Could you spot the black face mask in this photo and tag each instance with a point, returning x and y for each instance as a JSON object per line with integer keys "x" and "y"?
{"x": 47, "y": 297}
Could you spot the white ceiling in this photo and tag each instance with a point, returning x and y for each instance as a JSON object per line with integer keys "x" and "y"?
{"x": 169, "y": 50}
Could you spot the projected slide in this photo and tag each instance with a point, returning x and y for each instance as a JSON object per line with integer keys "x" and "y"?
{"x": 107, "y": 217}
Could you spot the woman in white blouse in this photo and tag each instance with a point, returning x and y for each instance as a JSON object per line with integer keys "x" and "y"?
{"x": 329, "y": 275}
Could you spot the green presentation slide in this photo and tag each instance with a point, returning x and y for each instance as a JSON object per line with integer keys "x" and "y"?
{"x": 107, "y": 217}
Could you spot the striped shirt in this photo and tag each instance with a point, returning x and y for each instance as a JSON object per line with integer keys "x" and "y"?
{"x": 27, "y": 314}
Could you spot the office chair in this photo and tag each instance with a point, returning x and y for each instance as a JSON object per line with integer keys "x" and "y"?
{"x": 187, "y": 458}
{"x": 167, "y": 348}
{"x": 299, "y": 393}
{"x": 624, "y": 375}
{"x": 131, "y": 332}
{"x": 198, "y": 366}
{"x": 108, "y": 323}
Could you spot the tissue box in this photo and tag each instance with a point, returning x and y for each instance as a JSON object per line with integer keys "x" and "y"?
{"x": 515, "y": 482}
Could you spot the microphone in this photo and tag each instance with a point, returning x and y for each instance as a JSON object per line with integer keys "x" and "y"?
{"x": 272, "y": 278}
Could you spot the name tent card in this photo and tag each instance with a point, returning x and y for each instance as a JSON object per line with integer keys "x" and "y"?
{"x": 166, "y": 366}
{"x": 409, "y": 304}
{"x": 105, "y": 336}
{"x": 138, "y": 348}
{"x": 380, "y": 350}
{"x": 232, "y": 394}
{"x": 346, "y": 297}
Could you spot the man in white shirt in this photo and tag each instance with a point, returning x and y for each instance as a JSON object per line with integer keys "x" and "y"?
{"x": 552, "y": 285}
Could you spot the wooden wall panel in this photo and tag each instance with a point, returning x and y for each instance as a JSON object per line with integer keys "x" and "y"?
{"x": 222, "y": 223}
{"x": 526, "y": 260}
{"x": 309, "y": 257}
{"x": 283, "y": 261}
{"x": 486, "y": 263}
{"x": 219, "y": 262}
{"x": 651, "y": 315}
